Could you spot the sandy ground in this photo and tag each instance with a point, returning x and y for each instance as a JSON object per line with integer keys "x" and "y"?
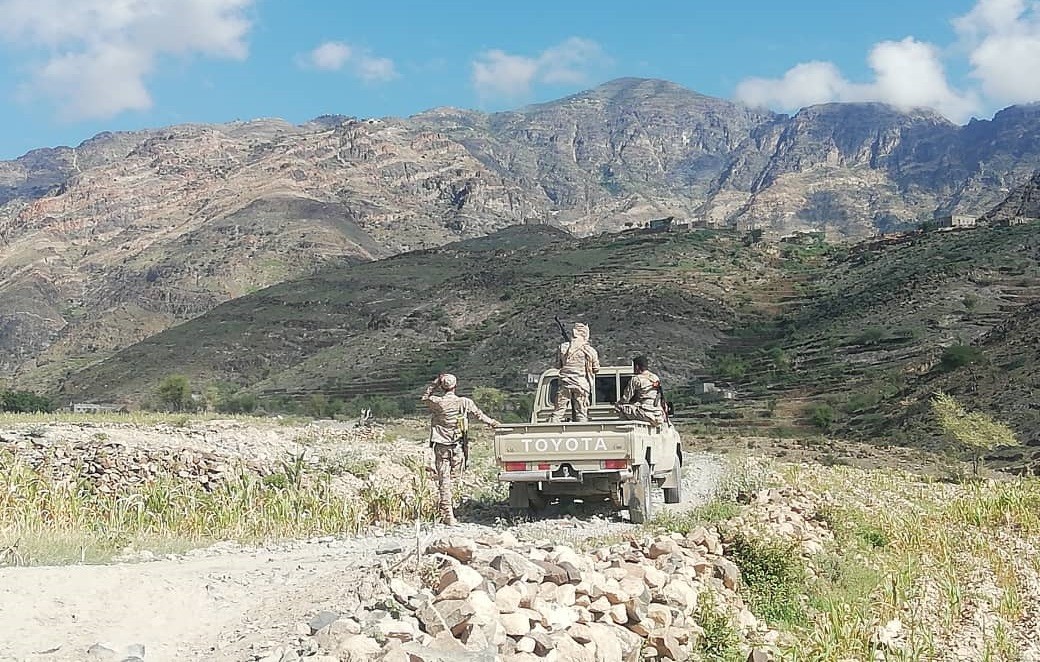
{"x": 233, "y": 603}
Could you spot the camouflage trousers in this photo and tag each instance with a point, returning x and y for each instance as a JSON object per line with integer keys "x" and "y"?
{"x": 564, "y": 397}
{"x": 448, "y": 462}
{"x": 638, "y": 413}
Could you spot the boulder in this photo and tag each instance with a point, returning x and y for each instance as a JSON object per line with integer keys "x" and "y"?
{"x": 507, "y": 599}
{"x": 515, "y": 565}
{"x": 460, "y": 574}
{"x": 457, "y": 547}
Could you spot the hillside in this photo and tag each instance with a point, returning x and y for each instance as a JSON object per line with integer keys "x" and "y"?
{"x": 865, "y": 333}
{"x": 483, "y": 308}
{"x": 127, "y": 234}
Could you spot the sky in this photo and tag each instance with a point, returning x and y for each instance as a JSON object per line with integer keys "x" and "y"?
{"x": 73, "y": 68}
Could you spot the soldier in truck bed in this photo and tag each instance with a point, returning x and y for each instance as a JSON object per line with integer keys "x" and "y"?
{"x": 642, "y": 400}
{"x": 578, "y": 362}
{"x": 448, "y": 422}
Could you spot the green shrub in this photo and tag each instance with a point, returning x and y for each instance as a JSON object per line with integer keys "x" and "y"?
{"x": 773, "y": 576}
{"x": 822, "y": 416}
{"x": 24, "y": 402}
{"x": 957, "y": 356}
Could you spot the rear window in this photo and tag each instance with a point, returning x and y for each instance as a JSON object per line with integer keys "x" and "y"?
{"x": 607, "y": 390}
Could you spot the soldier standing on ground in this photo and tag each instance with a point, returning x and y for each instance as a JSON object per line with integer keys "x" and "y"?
{"x": 448, "y": 423}
{"x": 642, "y": 399}
{"x": 578, "y": 362}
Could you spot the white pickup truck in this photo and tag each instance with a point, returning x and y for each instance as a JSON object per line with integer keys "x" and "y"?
{"x": 606, "y": 458}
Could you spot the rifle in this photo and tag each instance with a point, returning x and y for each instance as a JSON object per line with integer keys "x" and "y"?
{"x": 563, "y": 329}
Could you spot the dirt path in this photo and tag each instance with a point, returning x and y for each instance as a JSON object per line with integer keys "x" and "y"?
{"x": 231, "y": 603}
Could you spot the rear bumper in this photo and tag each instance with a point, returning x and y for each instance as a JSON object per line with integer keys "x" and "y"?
{"x": 545, "y": 476}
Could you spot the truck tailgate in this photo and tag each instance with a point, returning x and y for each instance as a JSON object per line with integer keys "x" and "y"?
{"x": 571, "y": 441}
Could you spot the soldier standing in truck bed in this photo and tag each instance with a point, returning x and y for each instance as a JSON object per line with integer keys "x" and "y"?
{"x": 578, "y": 362}
{"x": 642, "y": 398}
{"x": 449, "y": 423}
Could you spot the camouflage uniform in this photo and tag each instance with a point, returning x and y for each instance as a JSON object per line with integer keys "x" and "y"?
{"x": 446, "y": 437}
{"x": 641, "y": 400}
{"x": 578, "y": 362}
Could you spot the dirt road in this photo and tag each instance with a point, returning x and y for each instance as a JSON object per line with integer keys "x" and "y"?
{"x": 233, "y": 603}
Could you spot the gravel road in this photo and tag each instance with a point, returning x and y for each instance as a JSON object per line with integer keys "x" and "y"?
{"x": 229, "y": 602}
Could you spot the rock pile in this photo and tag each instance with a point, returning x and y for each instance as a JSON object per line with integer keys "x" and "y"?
{"x": 112, "y": 467}
{"x": 498, "y": 599}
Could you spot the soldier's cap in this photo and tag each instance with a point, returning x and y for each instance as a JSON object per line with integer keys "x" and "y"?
{"x": 449, "y": 381}
{"x": 581, "y": 330}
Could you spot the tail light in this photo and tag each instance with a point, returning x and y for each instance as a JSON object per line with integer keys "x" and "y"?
{"x": 544, "y": 466}
{"x": 615, "y": 464}
{"x": 516, "y": 466}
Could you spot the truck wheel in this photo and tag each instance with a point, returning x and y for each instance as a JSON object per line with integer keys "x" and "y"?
{"x": 640, "y": 506}
{"x": 519, "y": 496}
{"x": 674, "y": 494}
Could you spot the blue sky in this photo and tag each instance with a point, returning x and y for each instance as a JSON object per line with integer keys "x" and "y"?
{"x": 73, "y": 68}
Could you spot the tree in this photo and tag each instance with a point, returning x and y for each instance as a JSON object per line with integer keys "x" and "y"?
{"x": 490, "y": 400}
{"x": 975, "y": 432}
{"x": 174, "y": 393}
{"x": 24, "y": 402}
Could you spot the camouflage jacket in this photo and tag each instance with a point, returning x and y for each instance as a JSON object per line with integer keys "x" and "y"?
{"x": 578, "y": 369}
{"x": 644, "y": 390}
{"x": 446, "y": 411}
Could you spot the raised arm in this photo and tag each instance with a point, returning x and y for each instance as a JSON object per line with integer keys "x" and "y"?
{"x": 428, "y": 398}
{"x": 472, "y": 408}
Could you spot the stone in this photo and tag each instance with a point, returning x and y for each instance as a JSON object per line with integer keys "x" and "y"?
{"x": 608, "y": 646}
{"x": 614, "y": 593}
{"x": 679, "y": 593}
{"x": 390, "y": 628}
{"x": 566, "y": 595}
{"x": 581, "y": 633}
{"x": 557, "y": 617}
{"x": 332, "y": 635}
{"x": 356, "y": 648}
{"x": 569, "y": 650}
{"x": 728, "y": 572}
{"x": 573, "y": 573}
{"x": 600, "y": 606}
{"x": 636, "y": 609}
{"x": 393, "y": 652}
{"x": 449, "y": 615}
{"x": 642, "y": 628}
{"x": 401, "y": 590}
{"x": 552, "y": 572}
{"x": 453, "y": 591}
{"x": 517, "y": 566}
{"x": 655, "y": 578}
{"x": 543, "y": 643}
{"x": 507, "y": 599}
{"x": 667, "y": 644}
{"x": 515, "y": 624}
{"x": 322, "y": 620}
{"x": 758, "y": 655}
{"x": 457, "y": 547}
{"x": 619, "y": 614}
{"x": 135, "y": 650}
{"x": 662, "y": 547}
{"x": 746, "y": 620}
{"x": 660, "y": 614}
{"x": 525, "y": 645}
{"x": 101, "y": 652}
{"x": 461, "y": 574}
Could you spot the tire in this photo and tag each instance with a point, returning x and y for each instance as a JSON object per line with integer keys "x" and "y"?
{"x": 525, "y": 496}
{"x": 640, "y": 504}
{"x": 674, "y": 494}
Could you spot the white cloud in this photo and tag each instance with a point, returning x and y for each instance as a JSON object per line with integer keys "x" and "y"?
{"x": 1004, "y": 41}
{"x": 335, "y": 55}
{"x": 999, "y": 38}
{"x": 94, "y": 56}
{"x": 500, "y": 74}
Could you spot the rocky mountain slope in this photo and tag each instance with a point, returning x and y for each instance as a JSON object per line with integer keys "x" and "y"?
{"x": 1022, "y": 203}
{"x": 107, "y": 243}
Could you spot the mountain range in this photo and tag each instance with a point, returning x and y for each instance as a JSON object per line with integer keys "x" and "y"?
{"x": 109, "y": 243}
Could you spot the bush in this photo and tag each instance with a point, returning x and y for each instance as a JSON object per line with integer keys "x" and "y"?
{"x": 24, "y": 402}
{"x": 773, "y": 574}
{"x": 821, "y": 416}
{"x": 957, "y": 356}
{"x": 174, "y": 393}
{"x": 975, "y": 432}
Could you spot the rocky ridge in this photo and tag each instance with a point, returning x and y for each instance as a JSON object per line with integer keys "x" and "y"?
{"x": 109, "y": 242}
